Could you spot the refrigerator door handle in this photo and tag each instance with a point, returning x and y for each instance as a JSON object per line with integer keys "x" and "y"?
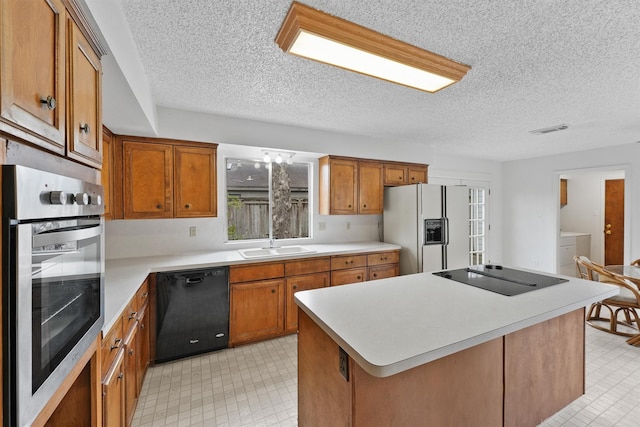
{"x": 446, "y": 231}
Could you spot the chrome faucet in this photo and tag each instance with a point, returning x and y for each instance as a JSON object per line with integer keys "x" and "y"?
{"x": 272, "y": 244}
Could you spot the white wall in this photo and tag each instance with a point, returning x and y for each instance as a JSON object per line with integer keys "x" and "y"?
{"x": 530, "y": 208}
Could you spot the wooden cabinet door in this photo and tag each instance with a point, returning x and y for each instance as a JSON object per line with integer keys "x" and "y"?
{"x": 130, "y": 382}
{"x": 382, "y": 271}
{"x": 300, "y": 283}
{"x": 106, "y": 174}
{"x": 256, "y": 310}
{"x": 343, "y": 187}
{"x": 142, "y": 361}
{"x": 417, "y": 174}
{"x": 370, "y": 188}
{"x": 148, "y": 180}
{"x": 195, "y": 182}
{"x": 113, "y": 394}
{"x": 351, "y": 275}
{"x": 85, "y": 102}
{"x": 32, "y": 54}
{"x": 395, "y": 174}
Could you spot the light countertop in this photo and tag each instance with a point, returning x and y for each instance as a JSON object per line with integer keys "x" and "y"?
{"x": 391, "y": 325}
{"x": 123, "y": 277}
{"x": 573, "y": 234}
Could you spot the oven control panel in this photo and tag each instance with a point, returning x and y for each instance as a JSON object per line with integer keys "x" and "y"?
{"x": 80, "y": 199}
{"x": 40, "y": 194}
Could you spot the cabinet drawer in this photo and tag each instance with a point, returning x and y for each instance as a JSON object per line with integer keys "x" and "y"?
{"x": 143, "y": 295}
{"x": 348, "y": 261}
{"x": 391, "y": 257}
{"x": 315, "y": 265}
{"x": 129, "y": 316}
{"x": 383, "y": 271}
{"x": 111, "y": 343}
{"x": 252, "y": 272}
{"x": 352, "y": 275}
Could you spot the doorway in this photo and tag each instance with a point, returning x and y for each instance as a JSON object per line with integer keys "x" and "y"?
{"x": 586, "y": 212}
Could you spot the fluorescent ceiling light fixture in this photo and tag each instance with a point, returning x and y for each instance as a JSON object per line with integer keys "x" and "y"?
{"x": 313, "y": 34}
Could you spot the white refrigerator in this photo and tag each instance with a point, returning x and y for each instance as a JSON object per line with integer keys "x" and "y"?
{"x": 431, "y": 223}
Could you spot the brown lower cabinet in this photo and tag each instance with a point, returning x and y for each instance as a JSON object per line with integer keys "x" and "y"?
{"x": 113, "y": 393}
{"x": 300, "y": 283}
{"x": 256, "y": 310}
{"x": 130, "y": 369}
{"x": 125, "y": 358}
{"x": 262, "y": 304}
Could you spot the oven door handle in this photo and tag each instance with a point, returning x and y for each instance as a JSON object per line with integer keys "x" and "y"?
{"x": 63, "y": 235}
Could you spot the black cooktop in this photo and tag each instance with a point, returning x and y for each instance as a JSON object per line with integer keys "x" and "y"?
{"x": 503, "y": 280}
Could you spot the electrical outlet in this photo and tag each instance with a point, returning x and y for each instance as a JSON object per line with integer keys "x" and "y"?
{"x": 322, "y": 226}
{"x": 343, "y": 363}
{"x": 192, "y": 231}
{"x": 348, "y": 225}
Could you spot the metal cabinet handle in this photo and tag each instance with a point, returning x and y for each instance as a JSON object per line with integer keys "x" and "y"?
{"x": 375, "y": 274}
{"x": 121, "y": 376}
{"x": 358, "y": 277}
{"x": 295, "y": 287}
{"x": 141, "y": 325}
{"x": 116, "y": 343}
{"x": 158, "y": 206}
{"x": 84, "y": 128}
{"x": 187, "y": 206}
{"x": 133, "y": 314}
{"x": 145, "y": 294}
{"x": 349, "y": 206}
{"x": 273, "y": 291}
{"x": 131, "y": 352}
{"x": 50, "y": 102}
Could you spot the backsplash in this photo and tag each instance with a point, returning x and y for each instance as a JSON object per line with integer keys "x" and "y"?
{"x": 153, "y": 237}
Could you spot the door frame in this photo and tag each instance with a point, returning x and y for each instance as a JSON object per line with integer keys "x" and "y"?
{"x": 626, "y": 171}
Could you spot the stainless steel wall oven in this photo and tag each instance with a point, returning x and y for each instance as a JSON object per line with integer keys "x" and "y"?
{"x": 52, "y": 290}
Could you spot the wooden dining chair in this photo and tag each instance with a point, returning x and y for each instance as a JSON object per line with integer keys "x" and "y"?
{"x": 622, "y": 308}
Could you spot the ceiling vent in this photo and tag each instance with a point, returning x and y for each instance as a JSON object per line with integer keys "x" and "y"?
{"x": 549, "y": 129}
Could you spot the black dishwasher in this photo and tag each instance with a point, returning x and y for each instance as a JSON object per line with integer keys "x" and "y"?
{"x": 192, "y": 312}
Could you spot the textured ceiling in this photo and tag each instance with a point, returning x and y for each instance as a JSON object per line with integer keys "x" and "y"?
{"x": 535, "y": 63}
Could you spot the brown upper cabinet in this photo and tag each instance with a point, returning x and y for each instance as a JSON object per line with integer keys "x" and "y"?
{"x": 33, "y": 72}
{"x": 163, "y": 178}
{"x": 404, "y": 174}
{"x": 350, "y": 186}
{"x": 85, "y": 109}
{"x": 50, "y": 81}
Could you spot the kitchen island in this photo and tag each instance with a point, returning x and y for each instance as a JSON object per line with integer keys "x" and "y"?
{"x": 423, "y": 350}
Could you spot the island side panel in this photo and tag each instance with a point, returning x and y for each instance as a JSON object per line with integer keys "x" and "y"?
{"x": 324, "y": 396}
{"x": 544, "y": 369}
{"x": 462, "y": 389}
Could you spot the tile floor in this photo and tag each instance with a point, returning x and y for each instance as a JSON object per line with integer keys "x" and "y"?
{"x": 255, "y": 385}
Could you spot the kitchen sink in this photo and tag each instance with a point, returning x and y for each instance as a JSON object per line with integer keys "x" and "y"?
{"x": 274, "y": 252}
